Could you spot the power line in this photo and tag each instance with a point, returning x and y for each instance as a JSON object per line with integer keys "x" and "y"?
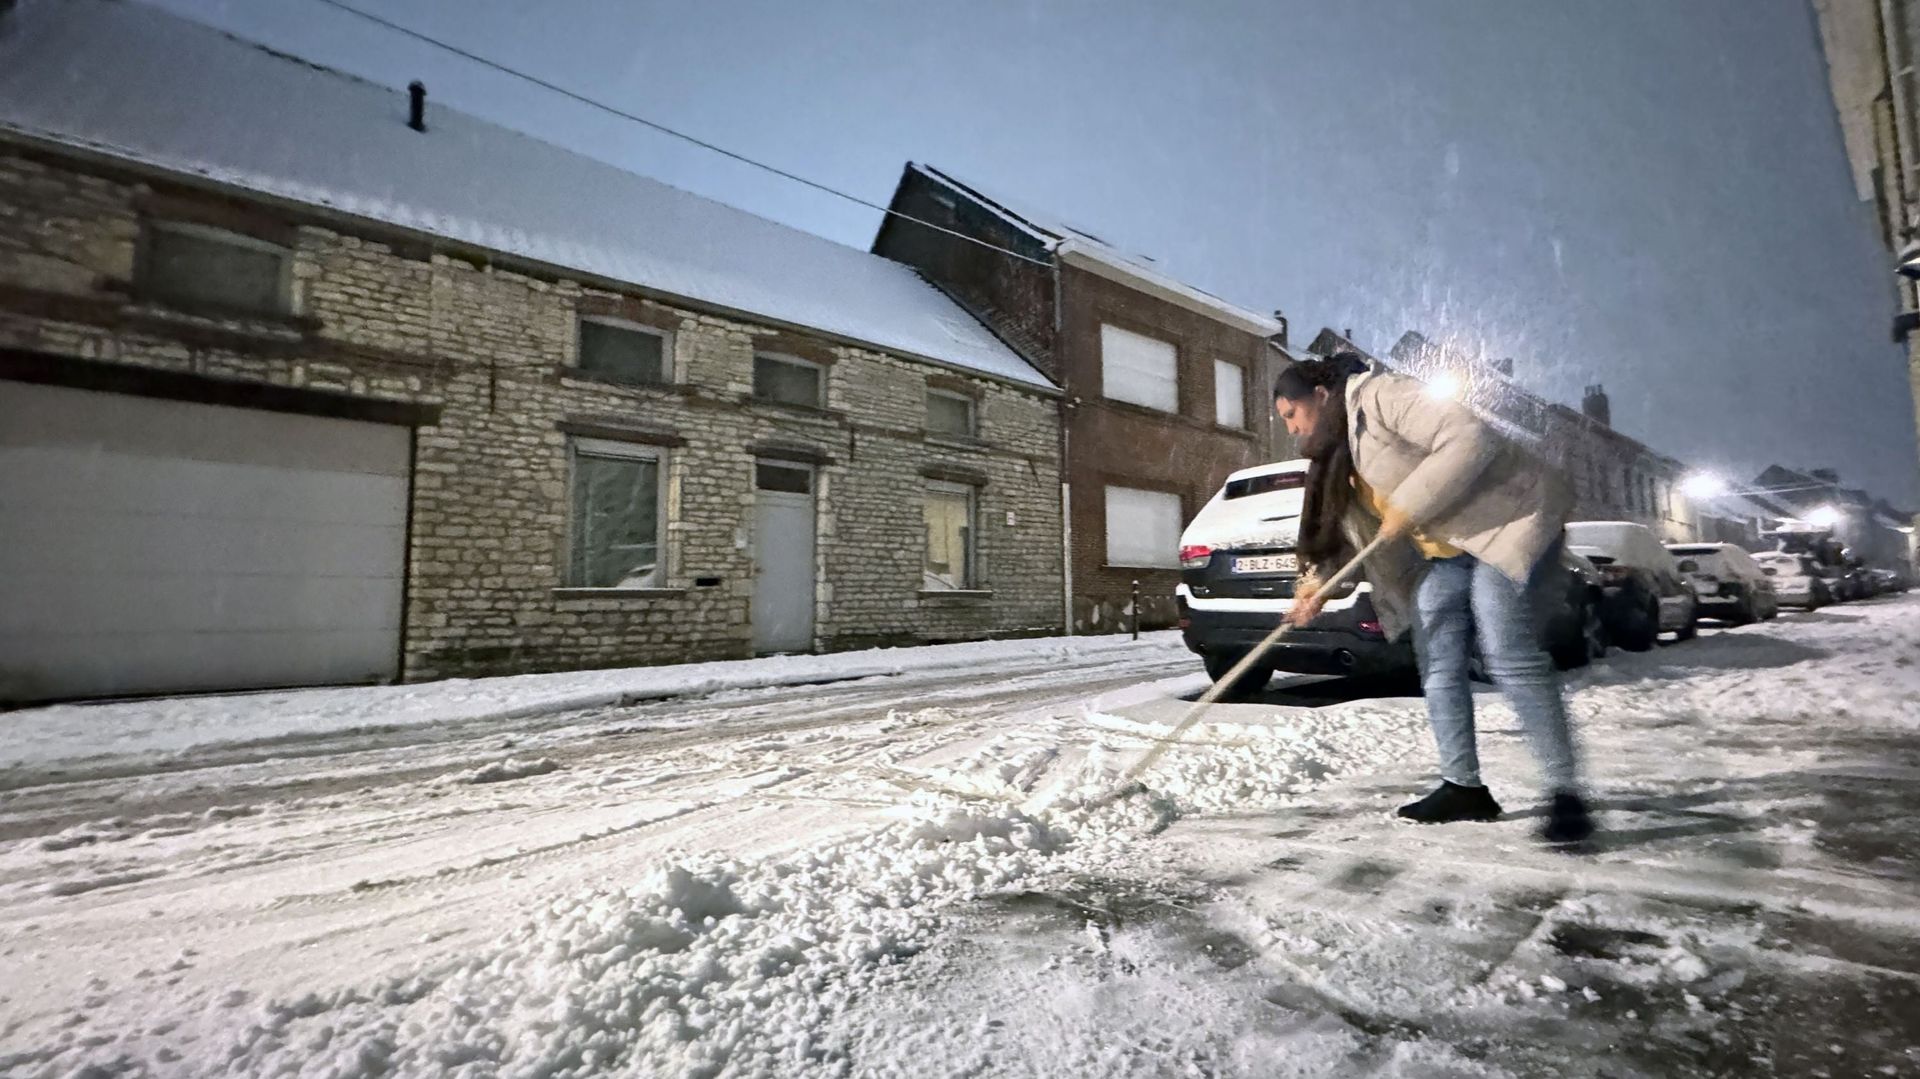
{"x": 664, "y": 129}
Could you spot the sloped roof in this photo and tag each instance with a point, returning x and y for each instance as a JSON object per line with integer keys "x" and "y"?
{"x": 1077, "y": 246}
{"x": 147, "y": 87}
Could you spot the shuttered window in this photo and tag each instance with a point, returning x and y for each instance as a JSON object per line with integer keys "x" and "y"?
{"x": 1229, "y": 394}
{"x": 1143, "y": 528}
{"x": 1138, "y": 369}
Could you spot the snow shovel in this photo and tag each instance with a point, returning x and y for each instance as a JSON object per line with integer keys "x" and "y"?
{"x": 1130, "y": 779}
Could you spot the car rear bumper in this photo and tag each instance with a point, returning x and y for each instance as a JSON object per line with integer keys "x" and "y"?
{"x": 1313, "y": 650}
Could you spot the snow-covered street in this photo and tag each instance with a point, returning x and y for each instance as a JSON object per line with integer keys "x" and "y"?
{"x": 901, "y": 874}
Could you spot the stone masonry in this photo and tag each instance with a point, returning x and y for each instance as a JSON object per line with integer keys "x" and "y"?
{"x": 406, "y": 318}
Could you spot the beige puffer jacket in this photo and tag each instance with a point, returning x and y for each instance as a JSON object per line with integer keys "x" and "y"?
{"x": 1455, "y": 477}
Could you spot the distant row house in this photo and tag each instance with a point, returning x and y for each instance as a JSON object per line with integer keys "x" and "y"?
{"x": 303, "y": 381}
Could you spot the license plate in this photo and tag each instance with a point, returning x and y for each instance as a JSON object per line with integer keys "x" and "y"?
{"x": 1267, "y": 563}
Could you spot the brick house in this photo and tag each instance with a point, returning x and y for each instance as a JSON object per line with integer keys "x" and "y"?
{"x": 300, "y": 384}
{"x": 1166, "y": 387}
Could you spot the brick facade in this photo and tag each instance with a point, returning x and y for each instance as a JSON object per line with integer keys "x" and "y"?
{"x": 1051, "y": 311}
{"x": 403, "y": 318}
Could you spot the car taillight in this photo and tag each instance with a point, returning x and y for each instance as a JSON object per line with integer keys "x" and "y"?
{"x": 1185, "y": 622}
{"x": 1371, "y": 629}
{"x": 1195, "y": 556}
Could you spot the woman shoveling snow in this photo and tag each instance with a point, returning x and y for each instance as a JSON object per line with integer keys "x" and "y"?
{"x": 1473, "y": 527}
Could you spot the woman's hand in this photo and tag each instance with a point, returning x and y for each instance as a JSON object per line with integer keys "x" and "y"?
{"x": 1307, "y": 602}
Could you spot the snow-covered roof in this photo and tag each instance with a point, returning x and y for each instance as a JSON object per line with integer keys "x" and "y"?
{"x": 147, "y": 87}
{"x": 1089, "y": 252}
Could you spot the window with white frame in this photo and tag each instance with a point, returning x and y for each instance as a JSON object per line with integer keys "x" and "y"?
{"x": 1138, "y": 369}
{"x": 618, "y": 511}
{"x": 1143, "y": 528}
{"x": 787, "y": 379}
{"x": 1229, "y": 394}
{"x": 949, "y": 413}
{"x": 950, "y": 536}
{"x": 200, "y": 266}
{"x": 624, "y": 351}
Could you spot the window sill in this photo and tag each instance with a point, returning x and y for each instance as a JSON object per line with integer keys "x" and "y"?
{"x": 811, "y": 411}
{"x": 617, "y": 593}
{"x": 956, "y": 442}
{"x": 575, "y": 374}
{"x": 956, "y": 595}
{"x": 277, "y": 323}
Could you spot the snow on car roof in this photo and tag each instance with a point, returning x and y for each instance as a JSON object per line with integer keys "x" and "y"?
{"x": 143, "y": 86}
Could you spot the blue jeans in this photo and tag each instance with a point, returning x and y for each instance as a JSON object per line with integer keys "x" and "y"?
{"x": 1462, "y": 598}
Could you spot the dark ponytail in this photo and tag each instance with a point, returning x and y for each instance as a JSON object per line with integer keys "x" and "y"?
{"x": 1329, "y": 490}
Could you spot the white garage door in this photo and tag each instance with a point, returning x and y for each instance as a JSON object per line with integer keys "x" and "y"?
{"x": 151, "y": 546}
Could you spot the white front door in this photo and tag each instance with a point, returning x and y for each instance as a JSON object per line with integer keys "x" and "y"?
{"x": 783, "y": 576}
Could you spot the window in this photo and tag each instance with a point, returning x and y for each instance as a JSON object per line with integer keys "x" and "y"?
{"x": 198, "y": 266}
{"x": 787, "y": 380}
{"x": 617, "y": 511}
{"x": 1267, "y": 484}
{"x": 1143, "y": 528}
{"x": 623, "y": 352}
{"x": 949, "y": 413}
{"x": 1229, "y": 394}
{"x": 1138, "y": 369}
{"x": 950, "y": 552}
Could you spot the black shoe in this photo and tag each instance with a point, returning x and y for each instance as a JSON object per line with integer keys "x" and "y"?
{"x": 1452, "y": 802}
{"x": 1567, "y": 821}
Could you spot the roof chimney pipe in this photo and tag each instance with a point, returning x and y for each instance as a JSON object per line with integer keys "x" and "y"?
{"x": 1281, "y": 317}
{"x": 1597, "y": 407}
{"x": 417, "y": 105}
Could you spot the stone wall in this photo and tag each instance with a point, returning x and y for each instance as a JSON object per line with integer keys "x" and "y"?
{"x": 395, "y": 317}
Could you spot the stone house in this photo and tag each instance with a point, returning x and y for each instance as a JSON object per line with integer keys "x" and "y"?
{"x": 303, "y": 382}
{"x": 1167, "y": 388}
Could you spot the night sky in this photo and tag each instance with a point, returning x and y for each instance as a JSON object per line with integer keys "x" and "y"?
{"x": 1642, "y": 193}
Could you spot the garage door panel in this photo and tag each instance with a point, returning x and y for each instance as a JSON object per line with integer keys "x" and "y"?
{"x": 155, "y": 546}
{"x": 77, "y": 546}
{"x": 118, "y": 604}
{"x": 135, "y": 486}
{"x": 180, "y": 663}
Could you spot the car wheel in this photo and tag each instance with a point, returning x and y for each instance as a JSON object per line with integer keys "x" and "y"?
{"x": 1690, "y": 628}
{"x": 1635, "y": 622}
{"x": 1252, "y": 681}
{"x": 1586, "y": 645}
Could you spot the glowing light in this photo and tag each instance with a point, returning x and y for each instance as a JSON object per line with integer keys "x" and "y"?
{"x": 1703, "y": 485}
{"x": 1824, "y": 517}
{"x": 1445, "y": 385}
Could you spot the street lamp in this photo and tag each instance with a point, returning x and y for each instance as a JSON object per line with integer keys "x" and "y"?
{"x": 1703, "y": 485}
{"x": 1824, "y": 517}
{"x": 1445, "y": 386}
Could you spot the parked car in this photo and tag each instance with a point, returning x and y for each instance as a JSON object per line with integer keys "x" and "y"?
{"x": 1645, "y": 593}
{"x": 1888, "y": 582}
{"x": 1727, "y": 581}
{"x": 1239, "y": 569}
{"x": 1796, "y": 579}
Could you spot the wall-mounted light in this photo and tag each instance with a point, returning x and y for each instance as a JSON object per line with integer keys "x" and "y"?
{"x": 1824, "y": 517}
